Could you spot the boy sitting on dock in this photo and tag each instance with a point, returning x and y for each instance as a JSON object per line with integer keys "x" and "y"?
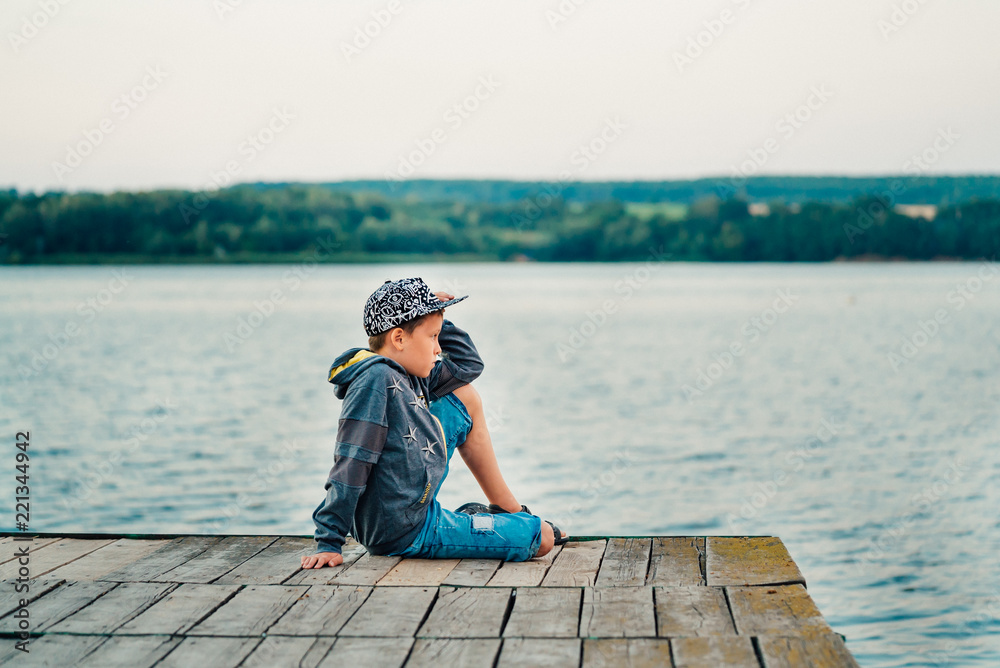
{"x": 404, "y": 414}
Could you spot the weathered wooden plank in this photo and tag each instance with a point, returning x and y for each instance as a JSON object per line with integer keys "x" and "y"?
{"x": 351, "y": 553}
{"x": 465, "y": 652}
{"x": 129, "y": 652}
{"x": 217, "y": 560}
{"x": 113, "y": 609}
{"x": 464, "y": 612}
{"x": 367, "y": 570}
{"x": 715, "y": 651}
{"x": 287, "y": 652}
{"x": 419, "y": 572}
{"x": 321, "y": 611}
{"x": 777, "y": 610}
{"x": 692, "y": 611}
{"x": 181, "y": 609}
{"x": 577, "y": 564}
{"x": 676, "y": 562}
{"x": 58, "y": 604}
{"x": 11, "y": 549}
{"x": 545, "y": 612}
{"x": 472, "y": 572}
{"x": 381, "y": 652}
{"x": 317, "y": 653}
{"x": 214, "y": 652}
{"x": 753, "y": 560}
{"x": 272, "y": 565}
{"x": 156, "y": 564}
{"x": 52, "y": 556}
{"x": 55, "y": 650}
{"x": 390, "y": 611}
{"x": 250, "y": 612}
{"x": 616, "y": 612}
{"x": 540, "y": 653}
{"x": 10, "y": 597}
{"x": 118, "y": 554}
{"x": 527, "y": 573}
{"x": 625, "y": 563}
{"x": 822, "y": 651}
{"x": 631, "y": 653}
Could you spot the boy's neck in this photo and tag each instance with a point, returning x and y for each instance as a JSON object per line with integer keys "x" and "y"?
{"x": 390, "y": 352}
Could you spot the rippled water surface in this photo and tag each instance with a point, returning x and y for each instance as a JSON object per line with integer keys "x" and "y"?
{"x": 194, "y": 400}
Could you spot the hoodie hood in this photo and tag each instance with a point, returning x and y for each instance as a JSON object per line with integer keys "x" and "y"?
{"x": 352, "y": 363}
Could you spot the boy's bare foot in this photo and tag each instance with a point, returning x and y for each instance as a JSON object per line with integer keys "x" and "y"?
{"x": 548, "y": 540}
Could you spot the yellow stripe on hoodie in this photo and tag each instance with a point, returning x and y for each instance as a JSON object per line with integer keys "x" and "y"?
{"x": 358, "y": 356}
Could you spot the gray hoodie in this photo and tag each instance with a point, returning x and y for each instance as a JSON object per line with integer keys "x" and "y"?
{"x": 390, "y": 454}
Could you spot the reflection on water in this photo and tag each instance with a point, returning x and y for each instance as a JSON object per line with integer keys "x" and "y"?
{"x": 818, "y": 403}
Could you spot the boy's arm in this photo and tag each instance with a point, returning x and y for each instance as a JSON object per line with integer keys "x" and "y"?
{"x": 361, "y": 435}
{"x": 460, "y": 363}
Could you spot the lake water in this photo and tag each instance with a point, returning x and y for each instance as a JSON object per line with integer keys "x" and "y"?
{"x": 194, "y": 400}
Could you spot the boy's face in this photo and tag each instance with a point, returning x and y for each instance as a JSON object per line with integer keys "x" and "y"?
{"x": 420, "y": 349}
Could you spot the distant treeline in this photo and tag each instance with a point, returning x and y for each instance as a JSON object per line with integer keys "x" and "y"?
{"x": 253, "y": 223}
{"x": 916, "y": 189}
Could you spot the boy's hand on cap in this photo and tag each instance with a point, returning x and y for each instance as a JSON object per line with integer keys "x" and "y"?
{"x": 321, "y": 559}
{"x": 443, "y": 296}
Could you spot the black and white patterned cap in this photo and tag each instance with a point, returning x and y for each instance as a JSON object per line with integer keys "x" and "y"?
{"x": 395, "y": 302}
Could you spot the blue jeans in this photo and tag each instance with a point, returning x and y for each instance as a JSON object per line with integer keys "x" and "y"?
{"x": 450, "y": 535}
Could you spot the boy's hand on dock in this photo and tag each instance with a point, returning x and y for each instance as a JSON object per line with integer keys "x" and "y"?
{"x": 321, "y": 559}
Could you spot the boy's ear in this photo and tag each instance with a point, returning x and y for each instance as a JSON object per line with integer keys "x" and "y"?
{"x": 395, "y": 337}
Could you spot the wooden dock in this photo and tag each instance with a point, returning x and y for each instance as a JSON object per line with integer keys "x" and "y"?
{"x": 244, "y": 601}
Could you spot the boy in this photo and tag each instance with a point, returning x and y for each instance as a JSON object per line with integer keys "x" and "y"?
{"x": 404, "y": 414}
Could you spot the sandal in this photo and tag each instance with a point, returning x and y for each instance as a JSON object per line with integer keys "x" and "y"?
{"x": 473, "y": 508}
{"x": 495, "y": 509}
{"x": 560, "y": 537}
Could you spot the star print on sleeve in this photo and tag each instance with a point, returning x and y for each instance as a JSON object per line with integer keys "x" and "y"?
{"x": 417, "y": 403}
{"x": 429, "y": 448}
{"x": 395, "y": 386}
{"x": 411, "y": 435}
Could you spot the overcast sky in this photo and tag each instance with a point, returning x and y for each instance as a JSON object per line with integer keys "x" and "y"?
{"x": 138, "y": 95}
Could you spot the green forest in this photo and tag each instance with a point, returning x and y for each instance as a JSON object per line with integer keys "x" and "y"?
{"x": 840, "y": 219}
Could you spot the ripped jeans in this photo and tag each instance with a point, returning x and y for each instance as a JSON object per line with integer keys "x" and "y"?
{"x": 449, "y": 535}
